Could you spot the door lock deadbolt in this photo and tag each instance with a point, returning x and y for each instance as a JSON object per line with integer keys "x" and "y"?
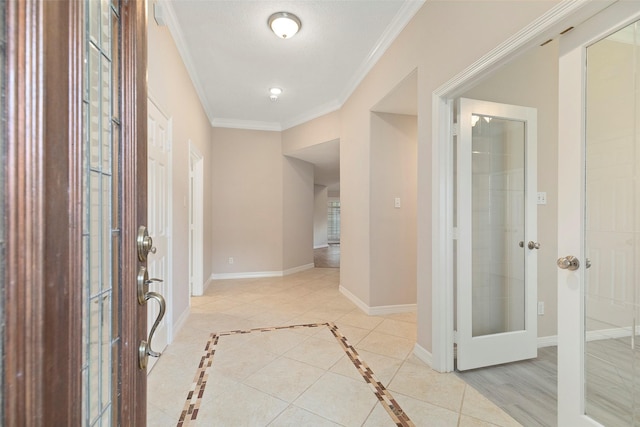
{"x": 144, "y": 242}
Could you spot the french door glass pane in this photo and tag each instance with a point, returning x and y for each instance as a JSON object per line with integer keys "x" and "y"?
{"x": 100, "y": 240}
{"x": 498, "y": 219}
{"x": 612, "y": 229}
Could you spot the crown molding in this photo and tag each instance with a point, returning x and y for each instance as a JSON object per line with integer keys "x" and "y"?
{"x": 246, "y": 124}
{"x": 181, "y": 44}
{"x": 314, "y": 113}
{"x": 551, "y": 23}
{"x": 402, "y": 18}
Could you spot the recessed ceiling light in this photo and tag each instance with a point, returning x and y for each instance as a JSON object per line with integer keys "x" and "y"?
{"x": 284, "y": 24}
{"x": 275, "y": 91}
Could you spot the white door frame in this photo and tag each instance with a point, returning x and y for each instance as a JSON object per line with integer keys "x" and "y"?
{"x": 196, "y": 222}
{"x": 566, "y": 14}
{"x": 571, "y": 126}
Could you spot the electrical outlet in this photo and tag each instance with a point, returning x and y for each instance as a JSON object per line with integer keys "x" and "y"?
{"x": 230, "y": 260}
{"x": 540, "y": 308}
{"x": 397, "y": 203}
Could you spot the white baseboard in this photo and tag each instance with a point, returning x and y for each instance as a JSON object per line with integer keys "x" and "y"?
{"x": 175, "y": 328}
{"x": 379, "y": 310}
{"x": 207, "y": 284}
{"x": 423, "y": 354}
{"x": 550, "y": 341}
{"x": 258, "y": 274}
{"x": 326, "y": 245}
{"x": 246, "y": 275}
{"x": 382, "y": 310}
{"x": 298, "y": 269}
{"x": 607, "y": 334}
{"x": 354, "y": 299}
{"x": 602, "y": 334}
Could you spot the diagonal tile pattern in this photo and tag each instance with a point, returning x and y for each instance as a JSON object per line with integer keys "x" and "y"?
{"x": 305, "y": 375}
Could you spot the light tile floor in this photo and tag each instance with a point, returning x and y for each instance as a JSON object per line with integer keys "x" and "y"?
{"x": 302, "y": 376}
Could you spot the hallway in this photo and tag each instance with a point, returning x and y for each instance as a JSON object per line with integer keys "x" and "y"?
{"x": 293, "y": 351}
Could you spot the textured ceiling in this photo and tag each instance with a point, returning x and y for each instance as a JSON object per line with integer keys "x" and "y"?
{"x": 233, "y": 57}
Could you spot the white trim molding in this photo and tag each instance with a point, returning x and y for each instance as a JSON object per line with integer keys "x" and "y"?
{"x": 177, "y": 326}
{"x": 171, "y": 21}
{"x": 423, "y": 354}
{"x": 220, "y": 122}
{"x": 399, "y": 22}
{"x": 298, "y": 269}
{"x": 380, "y": 310}
{"x": 259, "y": 274}
{"x": 597, "y": 335}
{"x": 354, "y": 299}
{"x": 550, "y": 341}
{"x": 383, "y": 310}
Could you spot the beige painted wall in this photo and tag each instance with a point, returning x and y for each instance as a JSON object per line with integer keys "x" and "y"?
{"x": 532, "y": 81}
{"x": 441, "y": 40}
{"x": 320, "y": 218}
{"x": 247, "y": 189}
{"x": 298, "y": 213}
{"x": 393, "y": 230}
{"x": 172, "y": 90}
{"x": 323, "y": 129}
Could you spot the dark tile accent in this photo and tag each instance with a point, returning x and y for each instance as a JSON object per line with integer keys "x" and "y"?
{"x": 194, "y": 397}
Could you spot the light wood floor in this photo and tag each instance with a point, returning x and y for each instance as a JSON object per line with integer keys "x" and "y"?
{"x": 327, "y": 257}
{"x": 528, "y": 390}
{"x": 525, "y": 390}
{"x": 612, "y": 390}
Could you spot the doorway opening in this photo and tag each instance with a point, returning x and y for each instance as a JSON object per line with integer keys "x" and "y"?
{"x": 510, "y": 74}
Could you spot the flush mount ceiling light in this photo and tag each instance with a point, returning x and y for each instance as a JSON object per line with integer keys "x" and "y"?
{"x": 274, "y": 92}
{"x": 284, "y": 24}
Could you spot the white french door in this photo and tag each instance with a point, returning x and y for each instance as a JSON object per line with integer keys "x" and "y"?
{"x": 496, "y": 234}
{"x": 599, "y": 220}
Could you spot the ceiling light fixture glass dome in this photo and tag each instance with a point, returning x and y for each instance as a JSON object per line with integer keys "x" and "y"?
{"x": 284, "y": 24}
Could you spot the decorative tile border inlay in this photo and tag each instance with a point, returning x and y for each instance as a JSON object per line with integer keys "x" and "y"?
{"x": 194, "y": 397}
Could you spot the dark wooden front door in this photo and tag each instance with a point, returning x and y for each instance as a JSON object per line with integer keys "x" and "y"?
{"x": 74, "y": 149}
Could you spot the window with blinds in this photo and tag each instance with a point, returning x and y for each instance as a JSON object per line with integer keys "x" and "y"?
{"x": 333, "y": 222}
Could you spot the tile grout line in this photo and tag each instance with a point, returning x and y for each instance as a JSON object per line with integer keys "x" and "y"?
{"x": 194, "y": 397}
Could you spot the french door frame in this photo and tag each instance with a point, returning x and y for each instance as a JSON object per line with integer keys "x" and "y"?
{"x": 42, "y": 382}
{"x": 567, "y": 13}
{"x": 571, "y": 194}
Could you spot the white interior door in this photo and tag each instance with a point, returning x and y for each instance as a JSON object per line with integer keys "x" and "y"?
{"x": 496, "y": 228}
{"x": 159, "y": 179}
{"x": 196, "y": 221}
{"x": 599, "y": 220}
